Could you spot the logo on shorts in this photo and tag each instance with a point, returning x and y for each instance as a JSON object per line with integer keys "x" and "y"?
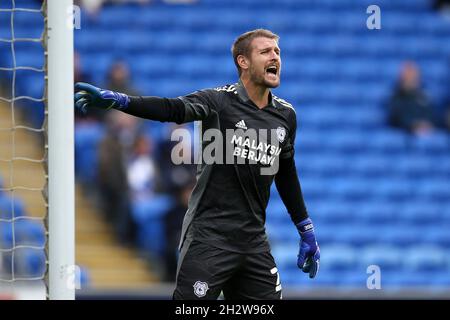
{"x": 281, "y": 134}
{"x": 200, "y": 289}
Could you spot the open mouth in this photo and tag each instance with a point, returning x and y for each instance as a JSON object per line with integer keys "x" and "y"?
{"x": 272, "y": 70}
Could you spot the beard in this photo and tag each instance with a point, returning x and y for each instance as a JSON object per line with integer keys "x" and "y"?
{"x": 259, "y": 79}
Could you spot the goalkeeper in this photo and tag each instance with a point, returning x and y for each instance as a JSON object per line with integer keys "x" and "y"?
{"x": 223, "y": 245}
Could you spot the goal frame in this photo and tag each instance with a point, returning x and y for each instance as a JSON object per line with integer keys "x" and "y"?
{"x": 60, "y": 149}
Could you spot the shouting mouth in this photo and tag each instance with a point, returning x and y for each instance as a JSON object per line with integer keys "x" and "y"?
{"x": 272, "y": 71}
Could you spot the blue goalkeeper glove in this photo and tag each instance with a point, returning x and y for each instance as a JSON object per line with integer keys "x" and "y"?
{"x": 88, "y": 96}
{"x": 309, "y": 253}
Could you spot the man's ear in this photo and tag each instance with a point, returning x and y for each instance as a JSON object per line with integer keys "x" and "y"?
{"x": 243, "y": 62}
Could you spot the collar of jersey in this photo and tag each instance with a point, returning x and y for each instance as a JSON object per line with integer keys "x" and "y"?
{"x": 242, "y": 93}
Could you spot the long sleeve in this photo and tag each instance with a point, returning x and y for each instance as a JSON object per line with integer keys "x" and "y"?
{"x": 155, "y": 108}
{"x": 287, "y": 181}
{"x": 193, "y": 107}
{"x": 288, "y": 186}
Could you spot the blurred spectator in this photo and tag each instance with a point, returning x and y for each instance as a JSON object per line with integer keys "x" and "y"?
{"x": 174, "y": 173}
{"x": 119, "y": 78}
{"x": 5, "y": 84}
{"x": 128, "y": 128}
{"x": 141, "y": 169}
{"x": 173, "y": 220}
{"x": 79, "y": 76}
{"x": 112, "y": 175}
{"x": 93, "y": 7}
{"x": 443, "y": 6}
{"x": 447, "y": 117}
{"x": 180, "y": 1}
{"x": 178, "y": 180}
{"x": 409, "y": 107}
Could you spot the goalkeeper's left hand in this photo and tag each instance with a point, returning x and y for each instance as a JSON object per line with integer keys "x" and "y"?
{"x": 88, "y": 96}
{"x": 309, "y": 253}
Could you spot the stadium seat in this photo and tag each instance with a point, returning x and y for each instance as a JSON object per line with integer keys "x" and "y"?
{"x": 437, "y": 234}
{"x": 148, "y": 215}
{"x": 339, "y": 257}
{"x": 285, "y": 255}
{"x": 87, "y": 138}
{"x": 426, "y": 258}
{"x": 386, "y": 256}
{"x": 11, "y": 207}
{"x": 21, "y": 232}
{"x": 400, "y": 234}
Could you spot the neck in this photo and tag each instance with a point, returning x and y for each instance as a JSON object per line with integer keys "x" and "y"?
{"x": 258, "y": 94}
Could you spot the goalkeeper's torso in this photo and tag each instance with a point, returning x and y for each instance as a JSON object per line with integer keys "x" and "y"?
{"x": 227, "y": 206}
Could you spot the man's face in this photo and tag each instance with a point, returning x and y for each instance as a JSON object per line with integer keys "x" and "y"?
{"x": 265, "y": 62}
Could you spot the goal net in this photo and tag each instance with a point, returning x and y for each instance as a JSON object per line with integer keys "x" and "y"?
{"x": 36, "y": 162}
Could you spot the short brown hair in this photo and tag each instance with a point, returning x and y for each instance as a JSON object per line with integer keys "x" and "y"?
{"x": 241, "y": 45}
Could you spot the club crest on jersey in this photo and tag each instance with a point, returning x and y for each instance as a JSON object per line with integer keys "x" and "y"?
{"x": 281, "y": 134}
{"x": 200, "y": 288}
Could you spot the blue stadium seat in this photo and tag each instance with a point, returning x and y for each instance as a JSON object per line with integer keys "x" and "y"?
{"x": 437, "y": 143}
{"x": 329, "y": 165}
{"x": 435, "y": 189}
{"x": 392, "y": 190}
{"x": 23, "y": 4}
{"x": 378, "y": 212}
{"x": 387, "y": 141}
{"x": 148, "y": 215}
{"x": 87, "y": 138}
{"x": 421, "y": 213}
{"x": 11, "y": 207}
{"x": 29, "y": 56}
{"x": 439, "y": 280}
{"x": 355, "y": 189}
{"x": 437, "y": 234}
{"x": 427, "y": 258}
{"x": 22, "y": 232}
{"x": 346, "y": 141}
{"x": 285, "y": 256}
{"x": 415, "y": 279}
{"x": 337, "y": 258}
{"x": 400, "y": 234}
{"x": 5, "y": 232}
{"x": 282, "y": 232}
{"x": 275, "y": 209}
{"x": 386, "y": 256}
{"x": 359, "y": 235}
{"x": 336, "y": 212}
{"x": 412, "y": 165}
{"x": 31, "y": 262}
{"x": 375, "y": 165}
{"x": 314, "y": 189}
{"x": 151, "y": 208}
{"x": 27, "y": 263}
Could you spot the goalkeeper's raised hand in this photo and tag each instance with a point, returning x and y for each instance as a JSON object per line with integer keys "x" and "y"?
{"x": 88, "y": 96}
{"x": 309, "y": 253}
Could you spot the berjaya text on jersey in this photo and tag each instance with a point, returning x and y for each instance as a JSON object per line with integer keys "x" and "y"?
{"x": 237, "y": 147}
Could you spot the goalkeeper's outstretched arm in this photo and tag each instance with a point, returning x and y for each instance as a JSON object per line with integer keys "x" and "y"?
{"x": 176, "y": 110}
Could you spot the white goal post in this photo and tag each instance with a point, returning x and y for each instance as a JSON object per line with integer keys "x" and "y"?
{"x": 61, "y": 181}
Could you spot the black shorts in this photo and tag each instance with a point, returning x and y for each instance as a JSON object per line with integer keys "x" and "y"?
{"x": 204, "y": 271}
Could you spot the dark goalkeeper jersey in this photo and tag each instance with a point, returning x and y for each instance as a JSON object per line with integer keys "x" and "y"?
{"x": 227, "y": 207}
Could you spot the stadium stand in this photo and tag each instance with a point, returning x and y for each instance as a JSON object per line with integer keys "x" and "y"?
{"x": 378, "y": 196}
